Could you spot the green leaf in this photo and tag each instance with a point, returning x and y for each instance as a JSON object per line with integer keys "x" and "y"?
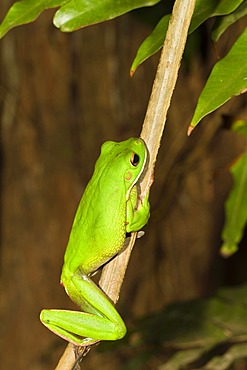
{"x": 224, "y": 22}
{"x": 80, "y": 13}
{"x": 205, "y": 9}
{"x": 26, "y": 11}
{"x": 228, "y": 78}
{"x": 151, "y": 44}
{"x": 236, "y": 203}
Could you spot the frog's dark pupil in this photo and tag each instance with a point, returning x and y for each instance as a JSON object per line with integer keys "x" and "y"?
{"x": 135, "y": 160}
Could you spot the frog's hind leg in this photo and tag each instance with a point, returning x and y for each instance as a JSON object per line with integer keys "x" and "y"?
{"x": 99, "y": 321}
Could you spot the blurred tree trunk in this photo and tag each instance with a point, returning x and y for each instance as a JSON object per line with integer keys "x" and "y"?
{"x": 61, "y": 97}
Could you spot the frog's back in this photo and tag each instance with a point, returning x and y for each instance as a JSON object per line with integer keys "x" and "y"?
{"x": 99, "y": 228}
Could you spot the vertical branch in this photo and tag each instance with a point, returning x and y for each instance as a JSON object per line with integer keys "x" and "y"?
{"x": 152, "y": 130}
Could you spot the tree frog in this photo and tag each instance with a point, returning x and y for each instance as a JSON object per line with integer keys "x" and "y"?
{"x": 107, "y": 211}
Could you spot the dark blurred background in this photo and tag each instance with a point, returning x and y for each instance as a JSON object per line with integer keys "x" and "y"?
{"x": 61, "y": 96}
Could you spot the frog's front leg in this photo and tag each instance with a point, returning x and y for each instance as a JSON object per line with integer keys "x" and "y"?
{"x": 100, "y": 321}
{"x": 137, "y": 218}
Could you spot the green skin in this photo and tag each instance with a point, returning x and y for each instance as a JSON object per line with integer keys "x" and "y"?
{"x": 107, "y": 211}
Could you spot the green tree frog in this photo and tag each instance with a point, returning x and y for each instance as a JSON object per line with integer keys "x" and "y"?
{"x": 107, "y": 211}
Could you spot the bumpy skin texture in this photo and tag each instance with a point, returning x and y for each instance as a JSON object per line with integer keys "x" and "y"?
{"x": 106, "y": 212}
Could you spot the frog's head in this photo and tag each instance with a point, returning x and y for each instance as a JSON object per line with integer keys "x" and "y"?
{"x": 125, "y": 159}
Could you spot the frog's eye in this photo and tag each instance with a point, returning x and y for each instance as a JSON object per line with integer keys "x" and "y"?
{"x": 134, "y": 159}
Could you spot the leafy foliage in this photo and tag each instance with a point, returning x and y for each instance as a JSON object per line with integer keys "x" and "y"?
{"x": 73, "y": 14}
{"x": 221, "y": 85}
{"x": 204, "y": 10}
